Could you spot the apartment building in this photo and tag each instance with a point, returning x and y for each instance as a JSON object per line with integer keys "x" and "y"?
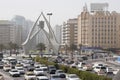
{"x": 69, "y": 32}
{"x": 99, "y": 29}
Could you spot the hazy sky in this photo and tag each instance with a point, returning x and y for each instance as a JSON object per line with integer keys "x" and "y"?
{"x": 62, "y": 9}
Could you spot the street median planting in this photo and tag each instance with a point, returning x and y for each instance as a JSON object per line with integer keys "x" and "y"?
{"x": 84, "y": 75}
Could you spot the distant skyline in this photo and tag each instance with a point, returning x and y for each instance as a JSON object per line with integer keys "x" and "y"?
{"x": 62, "y": 9}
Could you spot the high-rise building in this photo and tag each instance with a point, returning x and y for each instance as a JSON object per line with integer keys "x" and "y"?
{"x": 58, "y": 32}
{"x": 69, "y": 32}
{"x": 99, "y": 29}
{"x": 23, "y": 27}
{"x": 7, "y": 32}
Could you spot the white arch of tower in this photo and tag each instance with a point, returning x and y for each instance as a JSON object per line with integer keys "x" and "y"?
{"x": 50, "y": 36}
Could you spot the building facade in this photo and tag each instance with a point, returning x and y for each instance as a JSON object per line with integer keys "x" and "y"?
{"x": 69, "y": 32}
{"x": 58, "y": 33}
{"x": 7, "y": 32}
{"x": 99, "y": 29}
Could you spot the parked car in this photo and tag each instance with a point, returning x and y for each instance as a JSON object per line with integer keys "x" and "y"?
{"x": 18, "y": 66}
{"x": 72, "y": 77}
{"x": 38, "y": 71}
{"x": 14, "y": 72}
{"x": 21, "y": 70}
{"x": 97, "y": 64}
{"x": 55, "y": 77}
{"x": 109, "y": 69}
{"x": 1, "y": 64}
{"x": 51, "y": 69}
{"x": 41, "y": 76}
{"x": 30, "y": 76}
{"x": 99, "y": 68}
{"x": 30, "y": 68}
{"x": 81, "y": 64}
{"x": 115, "y": 71}
{"x": 61, "y": 73}
{"x": 7, "y": 67}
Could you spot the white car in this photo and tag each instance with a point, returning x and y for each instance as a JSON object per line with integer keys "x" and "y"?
{"x": 81, "y": 64}
{"x": 21, "y": 70}
{"x": 72, "y": 77}
{"x": 115, "y": 71}
{"x": 109, "y": 69}
{"x": 99, "y": 68}
{"x": 14, "y": 72}
{"x": 61, "y": 73}
{"x": 44, "y": 68}
{"x": 30, "y": 76}
{"x": 41, "y": 76}
{"x": 97, "y": 64}
{"x": 18, "y": 66}
{"x": 36, "y": 65}
{"x": 38, "y": 71}
{"x": 7, "y": 67}
{"x": 26, "y": 65}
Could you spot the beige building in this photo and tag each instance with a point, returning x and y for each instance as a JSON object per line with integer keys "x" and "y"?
{"x": 69, "y": 32}
{"x": 7, "y": 32}
{"x": 99, "y": 29}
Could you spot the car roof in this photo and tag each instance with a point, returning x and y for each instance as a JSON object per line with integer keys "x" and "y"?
{"x": 42, "y": 77}
{"x": 29, "y": 73}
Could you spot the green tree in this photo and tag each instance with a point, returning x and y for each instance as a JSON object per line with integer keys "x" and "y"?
{"x": 41, "y": 47}
{"x": 13, "y": 46}
{"x": 2, "y": 47}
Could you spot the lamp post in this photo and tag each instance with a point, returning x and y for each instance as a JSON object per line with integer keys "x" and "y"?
{"x": 49, "y": 14}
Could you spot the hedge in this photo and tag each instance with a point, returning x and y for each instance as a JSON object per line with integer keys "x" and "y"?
{"x": 84, "y": 75}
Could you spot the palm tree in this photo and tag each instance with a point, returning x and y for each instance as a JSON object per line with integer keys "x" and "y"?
{"x": 12, "y": 46}
{"x": 41, "y": 47}
{"x": 2, "y": 47}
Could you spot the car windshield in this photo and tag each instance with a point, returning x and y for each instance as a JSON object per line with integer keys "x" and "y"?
{"x": 7, "y": 66}
{"x": 40, "y": 75}
{"x": 55, "y": 76}
{"x": 45, "y": 69}
{"x": 83, "y": 63}
{"x": 31, "y": 74}
{"x": 60, "y": 72}
{"x": 20, "y": 68}
{"x": 73, "y": 76}
{"x": 52, "y": 67}
{"x": 43, "y": 79}
{"x": 38, "y": 69}
{"x": 103, "y": 67}
{"x": 100, "y": 64}
{"x": 14, "y": 71}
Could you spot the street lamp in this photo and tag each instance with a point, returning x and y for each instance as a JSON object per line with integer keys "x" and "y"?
{"x": 49, "y": 14}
